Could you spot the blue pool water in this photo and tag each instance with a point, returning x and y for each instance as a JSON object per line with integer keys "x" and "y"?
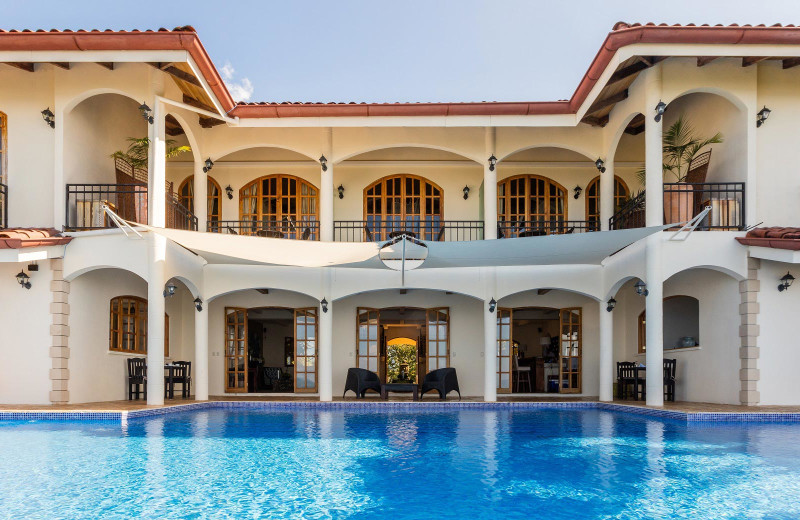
{"x": 467, "y": 463}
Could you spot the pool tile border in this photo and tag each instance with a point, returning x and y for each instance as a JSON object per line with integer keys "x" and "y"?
{"x": 124, "y": 416}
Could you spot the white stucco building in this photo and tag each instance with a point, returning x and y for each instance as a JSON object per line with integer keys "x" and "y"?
{"x": 522, "y": 222}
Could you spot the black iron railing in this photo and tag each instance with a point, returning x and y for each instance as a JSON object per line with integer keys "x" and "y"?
{"x": 3, "y": 206}
{"x": 537, "y": 228}
{"x": 292, "y": 229}
{"x": 434, "y": 230}
{"x": 178, "y": 216}
{"x": 684, "y": 201}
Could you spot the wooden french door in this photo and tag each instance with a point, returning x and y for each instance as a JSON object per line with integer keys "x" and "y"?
{"x": 403, "y": 203}
{"x": 505, "y": 335}
{"x": 369, "y": 339}
{"x": 437, "y": 323}
{"x": 570, "y": 351}
{"x": 305, "y": 350}
{"x": 235, "y": 349}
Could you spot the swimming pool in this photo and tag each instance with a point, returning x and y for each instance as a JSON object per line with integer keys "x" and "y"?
{"x": 311, "y": 462}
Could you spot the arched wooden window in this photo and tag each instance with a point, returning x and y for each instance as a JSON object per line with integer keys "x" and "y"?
{"x": 128, "y": 326}
{"x": 279, "y": 206}
{"x": 3, "y": 148}
{"x": 621, "y": 194}
{"x": 530, "y": 205}
{"x": 403, "y": 203}
{"x": 186, "y": 193}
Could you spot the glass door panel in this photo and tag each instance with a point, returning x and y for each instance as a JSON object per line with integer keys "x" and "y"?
{"x": 570, "y": 351}
{"x": 305, "y": 350}
{"x": 235, "y": 349}
{"x": 505, "y": 334}
{"x": 368, "y": 339}
{"x": 438, "y": 338}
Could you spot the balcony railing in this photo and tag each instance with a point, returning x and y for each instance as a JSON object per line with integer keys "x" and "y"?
{"x": 432, "y": 231}
{"x": 84, "y": 207}
{"x": 683, "y": 201}
{"x": 297, "y": 230}
{"x": 3, "y": 206}
{"x": 537, "y": 228}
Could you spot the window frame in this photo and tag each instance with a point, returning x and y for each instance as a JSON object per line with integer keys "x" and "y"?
{"x": 3, "y": 148}
{"x": 504, "y": 198}
{"x": 279, "y": 216}
{"x": 188, "y": 199}
{"x": 140, "y": 326}
{"x": 619, "y": 196}
{"x": 420, "y": 220}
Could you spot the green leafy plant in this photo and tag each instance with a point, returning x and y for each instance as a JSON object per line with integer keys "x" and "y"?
{"x": 137, "y": 152}
{"x": 399, "y": 357}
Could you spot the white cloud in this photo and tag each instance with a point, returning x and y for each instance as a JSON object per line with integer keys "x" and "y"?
{"x": 240, "y": 89}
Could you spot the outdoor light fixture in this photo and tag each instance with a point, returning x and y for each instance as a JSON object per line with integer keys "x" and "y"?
{"x": 786, "y": 282}
{"x": 641, "y": 288}
{"x": 324, "y": 162}
{"x": 24, "y": 280}
{"x": 600, "y": 165}
{"x": 340, "y": 189}
{"x": 324, "y": 304}
{"x": 762, "y": 116}
{"x": 33, "y": 267}
{"x": 208, "y": 166}
{"x": 577, "y": 191}
{"x": 466, "y": 192}
{"x": 492, "y": 305}
{"x": 198, "y": 304}
{"x": 169, "y": 291}
{"x": 611, "y": 304}
{"x": 147, "y": 113}
{"x": 50, "y": 118}
{"x": 492, "y": 162}
{"x": 660, "y": 108}
{"x": 229, "y": 191}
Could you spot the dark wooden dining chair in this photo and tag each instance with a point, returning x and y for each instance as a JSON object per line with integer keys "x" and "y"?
{"x": 621, "y": 384}
{"x": 184, "y": 377}
{"x": 669, "y": 379}
{"x": 137, "y": 377}
{"x": 628, "y": 376}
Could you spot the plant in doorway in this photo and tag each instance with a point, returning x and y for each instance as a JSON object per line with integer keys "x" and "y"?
{"x": 401, "y": 363}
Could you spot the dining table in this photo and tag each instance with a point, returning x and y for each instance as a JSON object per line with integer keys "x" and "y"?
{"x": 172, "y": 371}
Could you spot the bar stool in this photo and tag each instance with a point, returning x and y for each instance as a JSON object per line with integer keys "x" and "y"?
{"x": 523, "y": 376}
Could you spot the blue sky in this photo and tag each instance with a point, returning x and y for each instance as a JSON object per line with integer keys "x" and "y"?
{"x": 409, "y": 50}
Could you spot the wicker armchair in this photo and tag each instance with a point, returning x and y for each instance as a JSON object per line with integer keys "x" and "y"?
{"x": 443, "y": 381}
{"x": 359, "y": 380}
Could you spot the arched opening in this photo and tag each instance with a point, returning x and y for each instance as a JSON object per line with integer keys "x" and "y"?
{"x": 213, "y": 194}
{"x": 531, "y": 205}
{"x": 403, "y": 203}
{"x": 621, "y": 196}
{"x": 279, "y": 206}
{"x": 681, "y": 323}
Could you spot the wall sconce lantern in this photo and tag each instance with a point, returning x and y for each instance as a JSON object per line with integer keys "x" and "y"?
{"x": 466, "y": 192}
{"x": 169, "y": 291}
{"x": 146, "y": 113}
{"x": 762, "y": 116}
{"x": 492, "y": 162}
{"x": 600, "y": 165}
{"x": 577, "y": 190}
{"x": 49, "y": 117}
{"x": 786, "y": 282}
{"x": 208, "y": 165}
{"x": 324, "y": 304}
{"x": 33, "y": 267}
{"x": 24, "y": 280}
{"x": 661, "y": 107}
{"x": 611, "y": 304}
{"x": 324, "y": 162}
{"x": 492, "y": 305}
{"x": 340, "y": 189}
{"x": 641, "y": 288}
{"x": 229, "y": 192}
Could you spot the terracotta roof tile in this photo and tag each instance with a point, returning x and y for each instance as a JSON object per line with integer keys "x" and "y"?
{"x": 774, "y": 237}
{"x": 31, "y": 237}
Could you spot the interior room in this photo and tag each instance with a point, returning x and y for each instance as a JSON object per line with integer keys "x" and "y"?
{"x": 270, "y": 350}
{"x": 534, "y": 335}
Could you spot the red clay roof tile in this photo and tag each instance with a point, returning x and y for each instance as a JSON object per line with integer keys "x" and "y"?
{"x": 19, "y": 238}
{"x": 774, "y": 237}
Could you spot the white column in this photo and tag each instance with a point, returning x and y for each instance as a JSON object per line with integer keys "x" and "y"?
{"x": 59, "y": 187}
{"x": 489, "y": 188}
{"x": 200, "y": 374}
{"x": 326, "y": 190}
{"x": 489, "y": 354}
{"x": 157, "y": 247}
{"x": 606, "y": 195}
{"x": 606, "y": 353}
{"x": 654, "y": 313}
{"x": 325, "y": 354}
{"x": 157, "y": 169}
{"x": 200, "y": 191}
{"x": 654, "y": 184}
{"x": 751, "y": 179}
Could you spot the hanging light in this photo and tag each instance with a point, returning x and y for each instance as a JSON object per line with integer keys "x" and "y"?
{"x": 198, "y": 304}
{"x": 492, "y": 162}
{"x": 786, "y": 282}
{"x": 641, "y": 288}
{"x": 324, "y": 304}
{"x": 466, "y": 192}
{"x": 146, "y": 113}
{"x": 49, "y": 117}
{"x": 24, "y": 280}
{"x": 611, "y": 303}
{"x": 492, "y": 305}
{"x": 600, "y": 165}
{"x": 577, "y": 190}
{"x": 229, "y": 192}
{"x": 340, "y": 189}
{"x": 660, "y": 108}
{"x": 169, "y": 290}
{"x": 208, "y": 165}
{"x": 762, "y": 116}
{"x": 323, "y": 162}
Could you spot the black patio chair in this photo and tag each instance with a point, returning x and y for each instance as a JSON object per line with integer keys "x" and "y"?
{"x": 628, "y": 377}
{"x": 184, "y": 377}
{"x": 272, "y": 375}
{"x": 359, "y": 380}
{"x": 443, "y": 381}
{"x": 669, "y": 379}
{"x": 621, "y": 384}
{"x": 137, "y": 377}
